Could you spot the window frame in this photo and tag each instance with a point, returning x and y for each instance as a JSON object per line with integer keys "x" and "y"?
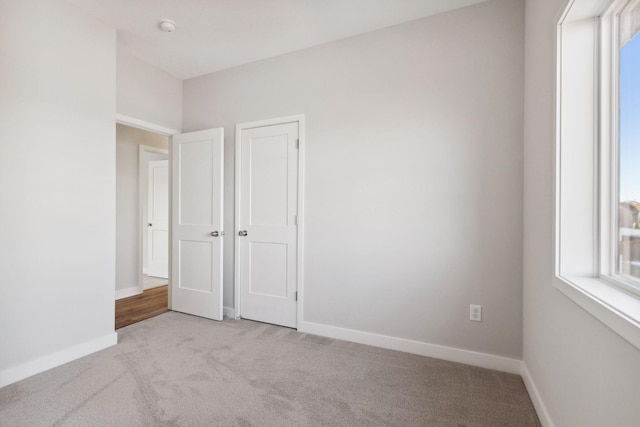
{"x": 584, "y": 249}
{"x": 610, "y": 142}
{"x": 609, "y": 149}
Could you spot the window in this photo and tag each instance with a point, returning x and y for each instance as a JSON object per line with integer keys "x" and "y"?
{"x": 620, "y": 180}
{"x": 628, "y": 191}
{"x": 597, "y": 236}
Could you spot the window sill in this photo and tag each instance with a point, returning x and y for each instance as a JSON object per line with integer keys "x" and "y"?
{"x": 613, "y": 307}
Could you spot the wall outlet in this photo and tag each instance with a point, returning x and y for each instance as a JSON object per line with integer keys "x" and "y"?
{"x": 475, "y": 313}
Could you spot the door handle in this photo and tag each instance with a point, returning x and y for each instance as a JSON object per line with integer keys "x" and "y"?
{"x": 149, "y": 225}
{"x": 215, "y": 233}
{"x": 242, "y": 233}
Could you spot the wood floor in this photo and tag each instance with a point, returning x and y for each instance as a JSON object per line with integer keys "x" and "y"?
{"x": 150, "y": 303}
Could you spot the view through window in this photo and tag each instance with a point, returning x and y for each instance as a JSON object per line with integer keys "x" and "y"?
{"x": 629, "y": 146}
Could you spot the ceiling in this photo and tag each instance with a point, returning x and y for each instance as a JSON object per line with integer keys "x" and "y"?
{"x": 213, "y": 35}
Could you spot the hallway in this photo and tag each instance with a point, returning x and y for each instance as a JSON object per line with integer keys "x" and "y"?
{"x": 137, "y": 308}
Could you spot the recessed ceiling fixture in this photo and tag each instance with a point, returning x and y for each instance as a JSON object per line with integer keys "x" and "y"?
{"x": 167, "y": 25}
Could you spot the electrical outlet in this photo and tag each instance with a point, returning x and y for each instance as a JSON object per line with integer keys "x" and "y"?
{"x": 475, "y": 313}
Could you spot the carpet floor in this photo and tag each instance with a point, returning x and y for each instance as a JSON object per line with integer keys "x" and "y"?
{"x": 180, "y": 370}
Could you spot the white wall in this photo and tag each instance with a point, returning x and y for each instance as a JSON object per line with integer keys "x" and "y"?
{"x": 57, "y": 185}
{"x": 128, "y": 141}
{"x": 586, "y": 374}
{"x": 413, "y": 169}
{"x": 147, "y": 93}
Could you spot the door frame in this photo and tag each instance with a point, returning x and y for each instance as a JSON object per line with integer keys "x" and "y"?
{"x": 300, "y": 119}
{"x": 142, "y": 222}
{"x": 162, "y": 130}
{"x": 149, "y": 218}
{"x": 141, "y": 124}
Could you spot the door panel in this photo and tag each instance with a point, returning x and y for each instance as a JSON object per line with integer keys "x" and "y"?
{"x": 195, "y": 260}
{"x": 268, "y": 266}
{"x": 269, "y": 178}
{"x": 267, "y": 192}
{"x": 196, "y": 183}
{"x": 197, "y": 179}
{"x": 160, "y": 248}
{"x": 158, "y": 219}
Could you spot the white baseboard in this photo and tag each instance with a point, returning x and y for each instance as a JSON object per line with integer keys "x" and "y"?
{"x": 128, "y": 292}
{"x": 474, "y": 358}
{"x": 541, "y": 408}
{"x": 146, "y": 288}
{"x": 229, "y": 312}
{"x": 27, "y": 369}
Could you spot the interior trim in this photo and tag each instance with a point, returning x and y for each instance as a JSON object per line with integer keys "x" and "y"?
{"x": 452, "y": 354}
{"x": 27, "y": 369}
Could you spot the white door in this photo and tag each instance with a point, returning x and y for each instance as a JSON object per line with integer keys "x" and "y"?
{"x": 158, "y": 219}
{"x": 267, "y": 192}
{"x": 196, "y": 240}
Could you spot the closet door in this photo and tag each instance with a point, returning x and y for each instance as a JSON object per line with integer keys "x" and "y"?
{"x": 267, "y": 195}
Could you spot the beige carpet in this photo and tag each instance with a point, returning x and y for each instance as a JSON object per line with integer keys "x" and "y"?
{"x": 182, "y": 370}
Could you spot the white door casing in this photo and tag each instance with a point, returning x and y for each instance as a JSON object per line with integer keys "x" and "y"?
{"x": 158, "y": 219}
{"x": 268, "y": 260}
{"x": 197, "y": 162}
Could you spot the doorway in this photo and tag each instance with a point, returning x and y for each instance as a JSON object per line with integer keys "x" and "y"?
{"x": 142, "y": 216}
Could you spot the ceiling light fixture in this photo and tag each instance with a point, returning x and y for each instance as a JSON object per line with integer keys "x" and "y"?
{"x": 167, "y": 25}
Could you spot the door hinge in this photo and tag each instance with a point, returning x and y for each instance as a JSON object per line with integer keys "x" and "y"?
{"x": 297, "y": 143}
{"x": 296, "y": 295}
{"x": 295, "y": 219}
